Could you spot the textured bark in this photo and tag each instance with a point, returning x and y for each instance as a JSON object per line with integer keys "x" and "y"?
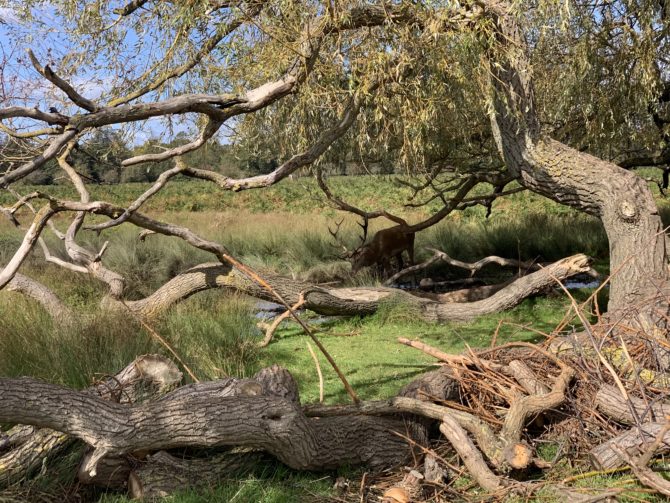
{"x": 162, "y": 474}
{"x": 112, "y": 471}
{"x": 612, "y": 403}
{"x": 44, "y": 296}
{"x": 633, "y": 442}
{"x": 472, "y": 458}
{"x": 204, "y": 418}
{"x": 621, "y": 199}
{"x": 349, "y": 301}
{"x": 146, "y": 376}
{"x": 527, "y": 378}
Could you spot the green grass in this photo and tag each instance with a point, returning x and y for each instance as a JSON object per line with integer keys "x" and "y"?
{"x": 377, "y": 366}
{"x": 216, "y": 334}
{"x": 269, "y": 484}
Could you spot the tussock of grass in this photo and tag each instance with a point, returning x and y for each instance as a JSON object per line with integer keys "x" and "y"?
{"x": 218, "y": 335}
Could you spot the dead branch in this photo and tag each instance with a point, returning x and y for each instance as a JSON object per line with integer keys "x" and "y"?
{"x": 269, "y": 333}
{"x": 633, "y": 442}
{"x": 35, "y": 290}
{"x": 146, "y": 375}
{"x": 523, "y": 408}
{"x": 471, "y": 457}
{"x": 64, "y": 86}
{"x": 208, "y": 131}
{"x": 205, "y": 419}
{"x": 611, "y": 402}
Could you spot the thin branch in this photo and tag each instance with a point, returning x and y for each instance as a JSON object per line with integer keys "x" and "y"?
{"x": 133, "y": 207}
{"x": 210, "y": 129}
{"x": 223, "y": 30}
{"x": 55, "y": 145}
{"x": 64, "y": 86}
{"x": 325, "y": 140}
{"x": 33, "y": 113}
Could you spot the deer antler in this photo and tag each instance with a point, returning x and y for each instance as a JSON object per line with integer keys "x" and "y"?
{"x": 346, "y": 252}
{"x": 364, "y": 226}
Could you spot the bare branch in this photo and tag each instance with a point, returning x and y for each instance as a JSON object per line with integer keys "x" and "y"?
{"x": 207, "y": 47}
{"x": 64, "y": 86}
{"x": 344, "y": 206}
{"x": 49, "y": 153}
{"x": 158, "y": 185}
{"x": 33, "y": 113}
{"x": 325, "y": 140}
{"x": 129, "y": 8}
{"x": 29, "y": 240}
{"x": 30, "y": 134}
{"x": 57, "y": 261}
{"x": 39, "y": 292}
{"x": 210, "y": 129}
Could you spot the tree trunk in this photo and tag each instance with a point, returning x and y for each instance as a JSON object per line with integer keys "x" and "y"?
{"x": 621, "y": 199}
{"x": 203, "y": 417}
{"x": 162, "y": 474}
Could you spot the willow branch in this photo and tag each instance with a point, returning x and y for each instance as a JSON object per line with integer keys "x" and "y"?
{"x": 64, "y": 86}
{"x": 210, "y": 129}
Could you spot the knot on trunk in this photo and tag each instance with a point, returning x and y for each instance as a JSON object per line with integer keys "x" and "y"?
{"x": 628, "y": 212}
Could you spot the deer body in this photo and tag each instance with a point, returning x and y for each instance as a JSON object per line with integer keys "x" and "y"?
{"x": 386, "y": 244}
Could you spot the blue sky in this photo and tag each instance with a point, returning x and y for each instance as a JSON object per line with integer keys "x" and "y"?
{"x": 50, "y": 43}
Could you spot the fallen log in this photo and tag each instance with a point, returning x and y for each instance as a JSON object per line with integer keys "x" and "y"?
{"x": 274, "y": 424}
{"x": 473, "y": 267}
{"x": 348, "y": 301}
{"x": 145, "y": 376}
{"x": 612, "y": 403}
{"x": 162, "y": 474}
{"x": 633, "y": 443}
{"x": 472, "y": 458}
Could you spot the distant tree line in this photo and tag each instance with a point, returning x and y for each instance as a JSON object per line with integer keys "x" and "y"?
{"x": 98, "y": 159}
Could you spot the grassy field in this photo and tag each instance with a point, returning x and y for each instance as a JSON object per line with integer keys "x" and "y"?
{"x": 282, "y": 229}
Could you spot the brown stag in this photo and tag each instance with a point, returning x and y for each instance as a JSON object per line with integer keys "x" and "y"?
{"x": 386, "y": 244}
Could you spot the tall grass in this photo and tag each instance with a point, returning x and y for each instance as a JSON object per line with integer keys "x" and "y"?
{"x": 215, "y": 335}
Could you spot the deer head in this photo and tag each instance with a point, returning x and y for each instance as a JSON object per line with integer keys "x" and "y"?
{"x": 385, "y": 245}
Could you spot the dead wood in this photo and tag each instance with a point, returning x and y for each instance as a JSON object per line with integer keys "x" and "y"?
{"x": 349, "y": 301}
{"x": 527, "y": 378}
{"x": 112, "y": 471}
{"x": 144, "y": 377}
{"x": 611, "y": 402}
{"x": 472, "y": 458}
{"x": 162, "y": 474}
{"x": 472, "y": 294}
{"x": 632, "y": 442}
{"x": 449, "y": 358}
{"x": 269, "y": 333}
{"x": 205, "y": 419}
{"x": 473, "y": 267}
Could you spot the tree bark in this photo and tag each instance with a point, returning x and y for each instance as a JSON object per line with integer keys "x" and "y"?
{"x": 612, "y": 403}
{"x": 163, "y": 474}
{"x": 205, "y": 418}
{"x": 145, "y": 376}
{"x": 632, "y": 442}
{"x": 621, "y": 199}
{"x": 348, "y": 301}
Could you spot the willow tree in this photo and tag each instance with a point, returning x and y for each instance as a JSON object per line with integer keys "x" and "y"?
{"x": 303, "y": 73}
